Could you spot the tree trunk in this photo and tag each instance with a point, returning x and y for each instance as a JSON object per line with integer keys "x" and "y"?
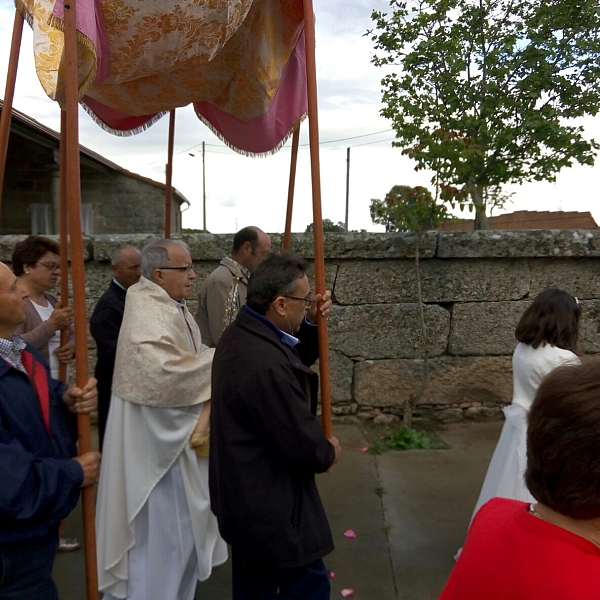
{"x": 414, "y": 399}
{"x": 481, "y": 219}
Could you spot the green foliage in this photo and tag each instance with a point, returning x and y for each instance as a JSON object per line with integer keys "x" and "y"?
{"x": 406, "y": 438}
{"x": 328, "y": 225}
{"x": 408, "y": 208}
{"x": 486, "y": 90}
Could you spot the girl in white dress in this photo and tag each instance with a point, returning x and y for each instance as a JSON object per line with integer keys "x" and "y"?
{"x": 547, "y": 334}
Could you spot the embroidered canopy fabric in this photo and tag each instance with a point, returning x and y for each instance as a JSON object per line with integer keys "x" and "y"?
{"x": 240, "y": 62}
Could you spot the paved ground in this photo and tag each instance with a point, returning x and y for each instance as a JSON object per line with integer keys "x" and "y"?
{"x": 409, "y": 510}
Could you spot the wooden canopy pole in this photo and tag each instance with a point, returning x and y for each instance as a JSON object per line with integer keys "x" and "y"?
{"x": 64, "y": 234}
{"x": 169, "y": 178}
{"x": 73, "y": 196}
{"x": 313, "y": 133}
{"x": 9, "y": 93}
{"x": 287, "y": 236}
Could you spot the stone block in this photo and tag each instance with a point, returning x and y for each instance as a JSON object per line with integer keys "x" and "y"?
{"x": 589, "y": 327}
{"x": 7, "y": 245}
{"x": 341, "y": 371}
{"x": 578, "y": 276}
{"x": 452, "y": 380}
{"x": 482, "y": 413}
{"x": 103, "y": 245}
{"x": 366, "y": 282}
{"x": 517, "y": 244}
{"x": 484, "y": 328}
{"x": 379, "y": 331}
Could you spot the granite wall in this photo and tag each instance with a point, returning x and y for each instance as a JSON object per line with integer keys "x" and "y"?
{"x": 475, "y": 287}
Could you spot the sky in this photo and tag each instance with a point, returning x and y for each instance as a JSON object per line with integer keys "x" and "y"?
{"x": 244, "y": 191}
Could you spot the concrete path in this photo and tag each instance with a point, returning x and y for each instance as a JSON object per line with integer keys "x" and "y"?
{"x": 409, "y": 510}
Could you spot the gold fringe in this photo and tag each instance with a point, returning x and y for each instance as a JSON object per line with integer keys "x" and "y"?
{"x": 245, "y": 152}
{"x": 86, "y": 42}
{"x": 118, "y": 132}
{"x": 21, "y": 8}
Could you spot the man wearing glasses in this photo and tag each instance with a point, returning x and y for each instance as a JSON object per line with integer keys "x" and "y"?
{"x": 266, "y": 443}
{"x": 156, "y": 534}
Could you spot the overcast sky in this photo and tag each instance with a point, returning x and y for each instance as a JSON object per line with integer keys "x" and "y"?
{"x": 242, "y": 191}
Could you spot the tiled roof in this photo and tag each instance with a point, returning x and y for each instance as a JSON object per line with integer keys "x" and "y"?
{"x": 529, "y": 219}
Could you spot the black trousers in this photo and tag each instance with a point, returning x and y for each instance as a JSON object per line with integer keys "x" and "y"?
{"x": 26, "y": 569}
{"x": 253, "y": 580}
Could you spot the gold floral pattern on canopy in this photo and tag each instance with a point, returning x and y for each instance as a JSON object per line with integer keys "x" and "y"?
{"x": 167, "y": 54}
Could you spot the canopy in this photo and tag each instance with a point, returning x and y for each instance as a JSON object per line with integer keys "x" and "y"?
{"x": 241, "y": 63}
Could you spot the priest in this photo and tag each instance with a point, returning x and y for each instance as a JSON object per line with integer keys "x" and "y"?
{"x": 156, "y": 533}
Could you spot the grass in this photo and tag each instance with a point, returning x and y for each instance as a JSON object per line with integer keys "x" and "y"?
{"x": 406, "y": 438}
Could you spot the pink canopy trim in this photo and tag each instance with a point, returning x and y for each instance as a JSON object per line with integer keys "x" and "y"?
{"x": 262, "y": 135}
{"x": 269, "y": 131}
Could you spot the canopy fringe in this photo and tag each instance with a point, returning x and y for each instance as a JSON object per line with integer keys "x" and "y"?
{"x": 120, "y": 132}
{"x": 246, "y": 152}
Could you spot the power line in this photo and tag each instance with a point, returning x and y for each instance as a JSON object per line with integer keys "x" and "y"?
{"x": 354, "y": 137}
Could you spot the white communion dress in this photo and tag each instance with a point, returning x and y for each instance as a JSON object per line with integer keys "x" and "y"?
{"x": 506, "y": 474}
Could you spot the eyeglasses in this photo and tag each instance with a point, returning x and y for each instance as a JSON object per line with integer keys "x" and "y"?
{"x": 187, "y": 269}
{"x": 51, "y": 266}
{"x": 307, "y": 299}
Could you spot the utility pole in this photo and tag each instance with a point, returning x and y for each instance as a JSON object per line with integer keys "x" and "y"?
{"x": 347, "y": 185}
{"x": 204, "y": 185}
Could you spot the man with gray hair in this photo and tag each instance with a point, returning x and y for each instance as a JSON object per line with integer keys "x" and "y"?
{"x": 105, "y": 324}
{"x": 156, "y": 533}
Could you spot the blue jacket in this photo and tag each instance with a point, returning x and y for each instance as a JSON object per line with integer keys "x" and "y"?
{"x": 39, "y": 481}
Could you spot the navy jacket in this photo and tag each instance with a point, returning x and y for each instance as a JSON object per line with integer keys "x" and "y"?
{"x": 39, "y": 483}
{"x": 105, "y": 325}
{"x": 266, "y": 446}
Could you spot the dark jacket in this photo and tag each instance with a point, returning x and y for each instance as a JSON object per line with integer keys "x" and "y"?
{"x": 39, "y": 483}
{"x": 266, "y": 446}
{"x": 105, "y": 325}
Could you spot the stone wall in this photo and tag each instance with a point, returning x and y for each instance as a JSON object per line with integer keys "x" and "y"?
{"x": 475, "y": 287}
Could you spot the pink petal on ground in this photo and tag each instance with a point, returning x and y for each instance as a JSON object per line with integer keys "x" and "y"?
{"x": 349, "y": 534}
{"x": 347, "y": 593}
{"x": 332, "y": 575}
{"x": 363, "y": 450}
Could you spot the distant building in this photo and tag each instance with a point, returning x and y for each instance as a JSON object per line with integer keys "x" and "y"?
{"x": 114, "y": 200}
{"x": 529, "y": 219}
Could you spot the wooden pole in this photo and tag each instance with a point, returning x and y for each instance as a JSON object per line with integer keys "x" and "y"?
{"x": 9, "y": 94}
{"x": 64, "y": 233}
{"x": 73, "y": 196}
{"x": 169, "y": 178}
{"x": 204, "y": 187}
{"x": 313, "y": 134}
{"x": 347, "y": 187}
{"x": 287, "y": 236}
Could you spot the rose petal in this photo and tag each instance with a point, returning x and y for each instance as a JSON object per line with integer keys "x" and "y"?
{"x": 349, "y": 534}
{"x": 332, "y": 575}
{"x": 363, "y": 450}
{"x": 347, "y": 593}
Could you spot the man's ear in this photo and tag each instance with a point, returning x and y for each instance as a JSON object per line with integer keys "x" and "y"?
{"x": 280, "y": 305}
{"x": 157, "y": 277}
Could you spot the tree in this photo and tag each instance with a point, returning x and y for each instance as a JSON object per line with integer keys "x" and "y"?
{"x": 487, "y": 90}
{"x": 412, "y": 209}
{"x": 328, "y": 225}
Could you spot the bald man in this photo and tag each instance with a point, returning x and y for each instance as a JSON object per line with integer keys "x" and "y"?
{"x": 105, "y": 324}
{"x": 223, "y": 292}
